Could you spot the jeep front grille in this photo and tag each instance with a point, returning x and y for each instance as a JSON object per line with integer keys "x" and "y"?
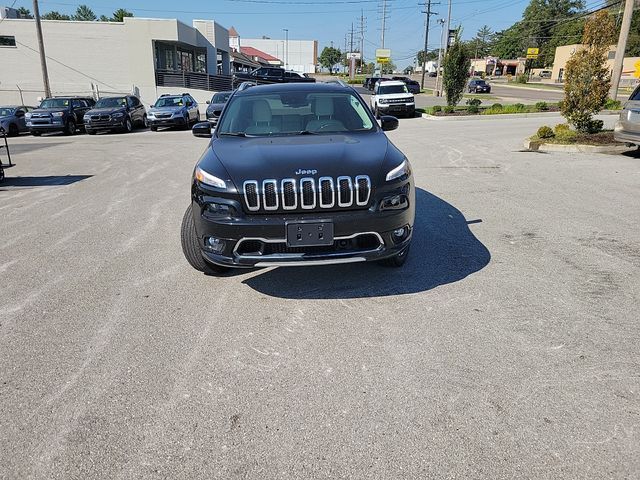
{"x": 307, "y": 193}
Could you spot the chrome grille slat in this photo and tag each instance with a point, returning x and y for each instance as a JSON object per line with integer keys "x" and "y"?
{"x": 326, "y": 192}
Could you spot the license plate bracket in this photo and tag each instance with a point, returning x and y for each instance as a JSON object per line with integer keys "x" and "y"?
{"x": 314, "y": 234}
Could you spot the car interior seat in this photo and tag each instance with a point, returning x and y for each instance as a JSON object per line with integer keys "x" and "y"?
{"x": 262, "y": 119}
{"x": 323, "y": 120}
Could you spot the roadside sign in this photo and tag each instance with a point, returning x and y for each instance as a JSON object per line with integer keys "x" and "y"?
{"x": 637, "y": 72}
{"x": 533, "y": 51}
{"x": 383, "y": 53}
{"x": 383, "y": 59}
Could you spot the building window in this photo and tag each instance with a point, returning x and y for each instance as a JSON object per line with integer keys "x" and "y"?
{"x": 7, "y": 41}
{"x": 201, "y": 62}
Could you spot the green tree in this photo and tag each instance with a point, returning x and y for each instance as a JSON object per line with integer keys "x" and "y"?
{"x": 24, "y": 13}
{"x": 84, "y": 14}
{"x": 55, "y": 15}
{"x": 119, "y": 14}
{"x": 431, "y": 56}
{"x": 481, "y": 43}
{"x": 587, "y": 77}
{"x": 329, "y": 57}
{"x": 455, "y": 71}
{"x": 387, "y": 68}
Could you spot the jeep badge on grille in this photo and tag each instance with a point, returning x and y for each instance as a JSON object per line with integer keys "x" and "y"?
{"x": 300, "y": 171}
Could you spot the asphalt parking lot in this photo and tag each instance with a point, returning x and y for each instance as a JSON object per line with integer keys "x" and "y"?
{"x": 507, "y": 347}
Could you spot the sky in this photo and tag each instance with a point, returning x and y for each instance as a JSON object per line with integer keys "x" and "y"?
{"x": 323, "y": 20}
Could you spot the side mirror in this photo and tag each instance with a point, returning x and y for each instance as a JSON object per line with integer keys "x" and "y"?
{"x": 208, "y": 102}
{"x": 387, "y": 122}
{"x": 203, "y": 129}
{"x": 19, "y": 114}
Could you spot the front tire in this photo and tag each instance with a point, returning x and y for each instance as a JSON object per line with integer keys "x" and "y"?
{"x": 70, "y": 128}
{"x": 36, "y": 133}
{"x": 398, "y": 260}
{"x": 191, "y": 247}
{"x": 153, "y": 129}
{"x": 127, "y": 126}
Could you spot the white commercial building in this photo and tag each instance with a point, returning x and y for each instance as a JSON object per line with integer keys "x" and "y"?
{"x": 143, "y": 56}
{"x": 298, "y": 55}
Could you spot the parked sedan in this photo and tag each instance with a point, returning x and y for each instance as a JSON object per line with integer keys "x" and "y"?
{"x": 627, "y": 129}
{"x": 173, "y": 111}
{"x": 12, "y": 119}
{"x": 115, "y": 113}
{"x": 217, "y": 103}
{"x": 479, "y": 86}
{"x": 412, "y": 85}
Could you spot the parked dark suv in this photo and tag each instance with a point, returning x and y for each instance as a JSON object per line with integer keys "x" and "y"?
{"x": 298, "y": 174}
{"x": 217, "y": 103}
{"x": 115, "y": 113}
{"x": 59, "y": 114}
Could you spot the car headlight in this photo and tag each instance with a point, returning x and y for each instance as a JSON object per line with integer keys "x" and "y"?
{"x": 400, "y": 171}
{"x": 382, "y": 100}
{"x": 118, "y": 115}
{"x": 86, "y": 118}
{"x": 151, "y": 115}
{"x": 208, "y": 179}
{"x": 57, "y": 114}
{"x": 27, "y": 115}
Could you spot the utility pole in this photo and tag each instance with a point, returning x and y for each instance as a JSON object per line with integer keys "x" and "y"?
{"x": 428, "y": 14}
{"x": 436, "y": 91}
{"x": 344, "y": 70}
{"x": 620, "y": 48}
{"x": 361, "y": 32}
{"x": 286, "y": 48}
{"x": 43, "y": 58}
{"x": 384, "y": 19}
{"x": 446, "y": 43}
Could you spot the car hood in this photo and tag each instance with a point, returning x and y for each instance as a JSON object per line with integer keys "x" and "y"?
{"x": 216, "y": 106}
{"x": 395, "y": 95}
{"x": 105, "y": 111}
{"x": 166, "y": 109}
{"x": 49, "y": 110}
{"x": 277, "y": 158}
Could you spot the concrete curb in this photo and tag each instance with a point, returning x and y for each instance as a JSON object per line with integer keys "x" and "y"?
{"x": 505, "y": 116}
{"x": 537, "y": 146}
{"x": 534, "y": 89}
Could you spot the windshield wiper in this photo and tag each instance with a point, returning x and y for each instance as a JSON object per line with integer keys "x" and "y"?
{"x": 306, "y": 132}
{"x": 232, "y": 134}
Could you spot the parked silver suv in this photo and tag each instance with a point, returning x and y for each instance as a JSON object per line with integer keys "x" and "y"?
{"x": 627, "y": 129}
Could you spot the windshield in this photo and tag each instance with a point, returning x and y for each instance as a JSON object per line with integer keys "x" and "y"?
{"x": 111, "y": 102}
{"x": 387, "y": 89}
{"x": 480, "y": 82}
{"x": 6, "y": 112}
{"x": 635, "y": 96}
{"x": 169, "y": 102}
{"x": 55, "y": 103}
{"x": 221, "y": 97}
{"x": 291, "y": 113}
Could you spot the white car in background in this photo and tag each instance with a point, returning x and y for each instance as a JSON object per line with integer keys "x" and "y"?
{"x": 391, "y": 97}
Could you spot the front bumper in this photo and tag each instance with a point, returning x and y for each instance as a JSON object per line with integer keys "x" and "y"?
{"x": 46, "y": 127}
{"x": 108, "y": 125}
{"x": 391, "y": 108}
{"x": 166, "y": 122}
{"x": 349, "y": 228}
{"x": 483, "y": 90}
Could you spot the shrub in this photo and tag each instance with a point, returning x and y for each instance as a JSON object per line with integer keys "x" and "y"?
{"x": 611, "y": 104}
{"x": 476, "y": 102}
{"x": 448, "y": 109}
{"x": 473, "y": 109}
{"x": 455, "y": 70}
{"x": 587, "y": 78}
{"x": 436, "y": 109}
{"x": 545, "y": 132}
{"x": 561, "y": 128}
{"x": 542, "y": 106}
{"x": 519, "y": 107}
{"x": 522, "y": 78}
{"x": 594, "y": 126}
{"x": 496, "y": 106}
{"x": 566, "y": 135}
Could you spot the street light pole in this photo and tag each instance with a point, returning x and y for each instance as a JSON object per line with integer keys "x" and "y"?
{"x": 43, "y": 58}
{"x": 620, "y": 48}
{"x": 286, "y": 49}
{"x": 436, "y": 91}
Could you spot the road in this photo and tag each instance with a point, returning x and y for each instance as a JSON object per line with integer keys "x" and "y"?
{"x": 506, "y": 348}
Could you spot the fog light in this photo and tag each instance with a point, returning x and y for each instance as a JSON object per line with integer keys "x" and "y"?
{"x": 214, "y": 244}
{"x": 219, "y": 209}
{"x": 396, "y": 202}
{"x": 399, "y": 232}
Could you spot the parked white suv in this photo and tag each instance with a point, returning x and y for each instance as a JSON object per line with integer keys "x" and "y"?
{"x": 392, "y": 97}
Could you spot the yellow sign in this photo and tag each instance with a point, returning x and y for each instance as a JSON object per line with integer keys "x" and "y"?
{"x": 533, "y": 51}
{"x": 637, "y": 72}
{"x": 383, "y": 59}
{"x": 532, "y": 56}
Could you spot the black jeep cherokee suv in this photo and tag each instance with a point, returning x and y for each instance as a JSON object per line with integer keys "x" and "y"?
{"x": 58, "y": 114}
{"x": 298, "y": 174}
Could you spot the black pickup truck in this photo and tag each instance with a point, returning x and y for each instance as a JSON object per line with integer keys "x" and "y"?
{"x": 266, "y": 75}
